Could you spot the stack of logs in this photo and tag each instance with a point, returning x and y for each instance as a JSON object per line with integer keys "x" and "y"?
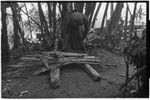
{"x": 52, "y": 62}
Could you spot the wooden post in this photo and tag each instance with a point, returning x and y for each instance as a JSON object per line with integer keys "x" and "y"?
{"x": 94, "y": 74}
{"x": 54, "y": 77}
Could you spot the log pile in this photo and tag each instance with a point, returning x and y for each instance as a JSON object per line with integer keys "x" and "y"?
{"x": 52, "y": 62}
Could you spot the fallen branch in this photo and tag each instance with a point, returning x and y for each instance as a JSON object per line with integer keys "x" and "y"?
{"x": 137, "y": 73}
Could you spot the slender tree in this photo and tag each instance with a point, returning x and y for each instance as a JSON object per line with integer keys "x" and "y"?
{"x": 102, "y": 25}
{"x": 93, "y": 5}
{"x": 43, "y": 20}
{"x": 29, "y": 23}
{"x": 64, "y": 20}
{"x": 71, "y": 6}
{"x": 88, "y": 9}
{"x": 111, "y": 9}
{"x": 47, "y": 37}
{"x": 115, "y": 19}
{"x": 96, "y": 13}
{"x": 130, "y": 31}
{"x": 49, "y": 14}
{"x": 132, "y": 19}
{"x": 4, "y": 42}
{"x": 126, "y": 60}
{"x": 113, "y": 25}
{"x": 15, "y": 24}
{"x": 60, "y": 7}
{"x": 126, "y": 21}
{"x": 54, "y": 20}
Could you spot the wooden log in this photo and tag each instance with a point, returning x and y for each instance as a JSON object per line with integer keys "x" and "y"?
{"x": 80, "y": 60}
{"x": 29, "y": 59}
{"x": 65, "y": 54}
{"x": 54, "y": 77}
{"x": 94, "y": 74}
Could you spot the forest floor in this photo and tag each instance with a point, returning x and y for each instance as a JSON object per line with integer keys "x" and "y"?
{"x": 75, "y": 82}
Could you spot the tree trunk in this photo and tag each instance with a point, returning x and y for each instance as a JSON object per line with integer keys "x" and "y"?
{"x": 132, "y": 19}
{"x": 111, "y": 9}
{"x": 96, "y": 13}
{"x": 88, "y": 9}
{"x": 29, "y": 21}
{"x": 15, "y": 24}
{"x": 60, "y": 7}
{"x": 43, "y": 20}
{"x": 91, "y": 13}
{"x": 17, "y": 28}
{"x": 103, "y": 20}
{"x": 126, "y": 23}
{"x": 49, "y": 14}
{"x": 44, "y": 26}
{"x": 64, "y": 20}
{"x": 54, "y": 24}
{"x": 113, "y": 25}
{"x": 4, "y": 42}
{"x": 115, "y": 18}
{"x": 71, "y": 6}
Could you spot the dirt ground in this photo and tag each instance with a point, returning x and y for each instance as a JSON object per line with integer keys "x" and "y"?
{"x": 75, "y": 82}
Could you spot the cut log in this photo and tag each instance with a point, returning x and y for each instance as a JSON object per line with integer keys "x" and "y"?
{"x": 80, "y": 60}
{"x": 29, "y": 59}
{"x": 94, "y": 74}
{"x": 54, "y": 78}
{"x": 65, "y": 54}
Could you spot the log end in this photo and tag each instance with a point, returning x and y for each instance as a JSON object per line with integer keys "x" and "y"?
{"x": 55, "y": 84}
{"x": 93, "y": 73}
{"x": 54, "y": 78}
{"x": 97, "y": 78}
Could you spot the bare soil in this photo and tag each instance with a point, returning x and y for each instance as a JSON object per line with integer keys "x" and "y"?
{"x": 75, "y": 82}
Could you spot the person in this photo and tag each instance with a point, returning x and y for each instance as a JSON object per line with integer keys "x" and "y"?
{"x": 76, "y": 29}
